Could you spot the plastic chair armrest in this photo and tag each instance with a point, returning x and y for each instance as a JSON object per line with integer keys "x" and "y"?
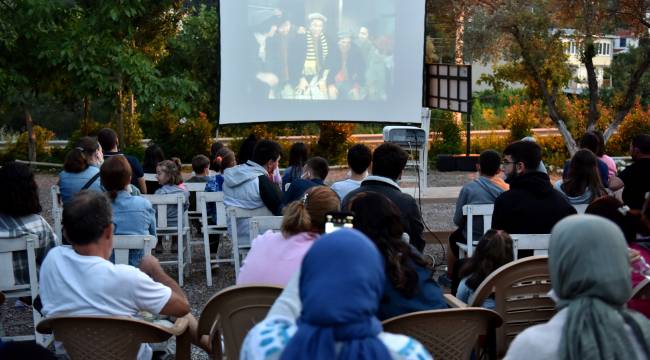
{"x": 454, "y": 302}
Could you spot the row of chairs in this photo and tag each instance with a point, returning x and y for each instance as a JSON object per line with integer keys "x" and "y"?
{"x": 536, "y": 242}
{"x": 259, "y": 222}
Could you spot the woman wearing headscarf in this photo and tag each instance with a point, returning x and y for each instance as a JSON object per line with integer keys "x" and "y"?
{"x": 590, "y": 275}
{"x": 340, "y": 285}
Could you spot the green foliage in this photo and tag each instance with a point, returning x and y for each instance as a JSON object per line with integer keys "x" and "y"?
{"x": 620, "y": 71}
{"x": 333, "y": 142}
{"x": 183, "y": 137}
{"x": 521, "y": 117}
{"x": 447, "y": 134}
{"x": 19, "y": 149}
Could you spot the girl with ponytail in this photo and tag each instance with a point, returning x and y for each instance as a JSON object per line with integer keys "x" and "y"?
{"x": 81, "y": 168}
{"x": 275, "y": 257}
{"x": 132, "y": 215}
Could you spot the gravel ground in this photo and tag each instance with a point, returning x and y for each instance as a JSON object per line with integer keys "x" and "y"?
{"x": 17, "y": 320}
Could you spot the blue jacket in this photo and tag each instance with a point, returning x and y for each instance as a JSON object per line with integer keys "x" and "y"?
{"x": 297, "y": 189}
{"x": 133, "y": 215}
{"x": 71, "y": 183}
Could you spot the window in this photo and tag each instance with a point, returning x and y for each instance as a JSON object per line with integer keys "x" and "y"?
{"x": 602, "y": 48}
{"x": 622, "y": 42}
{"x": 570, "y": 48}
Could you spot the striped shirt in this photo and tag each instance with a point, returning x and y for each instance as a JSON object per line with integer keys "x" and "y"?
{"x": 11, "y": 227}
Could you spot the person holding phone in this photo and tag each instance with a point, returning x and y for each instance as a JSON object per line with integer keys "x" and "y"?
{"x": 275, "y": 257}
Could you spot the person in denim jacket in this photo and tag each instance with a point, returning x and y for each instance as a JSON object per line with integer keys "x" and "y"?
{"x": 132, "y": 215}
{"x": 80, "y": 167}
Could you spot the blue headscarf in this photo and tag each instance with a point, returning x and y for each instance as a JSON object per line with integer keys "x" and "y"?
{"x": 341, "y": 283}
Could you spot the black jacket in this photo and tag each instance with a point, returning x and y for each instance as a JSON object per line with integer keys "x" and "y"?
{"x": 531, "y": 206}
{"x": 409, "y": 211}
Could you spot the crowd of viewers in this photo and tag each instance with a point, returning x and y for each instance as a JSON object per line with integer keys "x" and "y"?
{"x": 378, "y": 267}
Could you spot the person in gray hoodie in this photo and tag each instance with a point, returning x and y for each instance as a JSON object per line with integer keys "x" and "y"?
{"x": 249, "y": 185}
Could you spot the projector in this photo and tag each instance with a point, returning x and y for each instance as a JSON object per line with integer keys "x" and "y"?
{"x": 405, "y": 135}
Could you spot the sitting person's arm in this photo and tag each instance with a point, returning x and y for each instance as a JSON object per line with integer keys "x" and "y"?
{"x": 177, "y": 305}
{"x": 288, "y": 303}
{"x": 270, "y": 195}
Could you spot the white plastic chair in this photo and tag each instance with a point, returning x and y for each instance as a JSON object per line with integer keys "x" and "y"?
{"x": 239, "y": 225}
{"x": 123, "y": 243}
{"x": 57, "y": 212}
{"x": 220, "y": 228}
{"x": 181, "y": 230}
{"x": 536, "y": 242}
{"x": 485, "y": 210}
{"x": 260, "y": 224}
{"x": 8, "y": 285}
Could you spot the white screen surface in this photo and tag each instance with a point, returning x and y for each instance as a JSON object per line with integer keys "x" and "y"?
{"x": 320, "y": 60}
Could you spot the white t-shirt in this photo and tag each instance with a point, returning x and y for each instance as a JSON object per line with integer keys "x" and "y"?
{"x": 73, "y": 284}
{"x": 343, "y": 187}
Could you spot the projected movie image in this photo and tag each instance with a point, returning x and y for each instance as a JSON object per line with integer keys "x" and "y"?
{"x": 323, "y": 50}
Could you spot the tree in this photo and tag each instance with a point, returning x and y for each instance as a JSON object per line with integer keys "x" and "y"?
{"x": 531, "y": 28}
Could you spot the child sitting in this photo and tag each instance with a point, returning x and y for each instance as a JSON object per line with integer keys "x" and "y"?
{"x": 493, "y": 251}
{"x": 169, "y": 177}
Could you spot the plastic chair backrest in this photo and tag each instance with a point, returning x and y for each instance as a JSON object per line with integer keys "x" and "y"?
{"x": 232, "y": 312}
{"x": 239, "y": 229}
{"x": 520, "y": 291}
{"x": 448, "y": 333}
{"x": 123, "y": 243}
{"x": 205, "y": 198}
{"x": 260, "y": 224}
{"x": 102, "y": 337}
{"x": 470, "y": 211}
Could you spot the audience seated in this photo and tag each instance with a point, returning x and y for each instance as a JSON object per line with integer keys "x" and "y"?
{"x": 388, "y": 162}
{"x": 81, "y": 169}
{"x": 81, "y": 281}
{"x": 359, "y": 158}
{"x": 531, "y": 206}
{"x": 484, "y": 190}
{"x": 250, "y": 185}
{"x": 581, "y": 184}
{"x": 132, "y": 215}
{"x": 493, "y": 251}
{"x": 612, "y": 170}
{"x": 19, "y": 215}
{"x": 275, "y": 256}
{"x": 629, "y": 221}
{"x": 590, "y": 276}
{"x": 109, "y": 142}
{"x": 201, "y": 169}
{"x": 591, "y": 141}
{"x": 214, "y": 148}
{"x": 224, "y": 159}
{"x": 298, "y": 155}
{"x": 636, "y": 177}
{"x": 409, "y": 284}
{"x": 169, "y": 177}
{"x": 314, "y": 174}
{"x": 153, "y": 154}
{"x": 340, "y": 287}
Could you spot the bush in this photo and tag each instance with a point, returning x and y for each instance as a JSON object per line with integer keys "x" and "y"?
{"x": 554, "y": 151}
{"x": 333, "y": 142}
{"x": 636, "y": 122}
{"x": 19, "y": 149}
{"x": 492, "y": 141}
{"x": 447, "y": 134}
{"x": 521, "y": 117}
{"x": 183, "y": 138}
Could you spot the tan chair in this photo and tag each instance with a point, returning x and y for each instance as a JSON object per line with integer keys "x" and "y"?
{"x": 112, "y": 337}
{"x": 520, "y": 291}
{"x": 231, "y": 313}
{"x": 640, "y": 292}
{"x": 446, "y": 334}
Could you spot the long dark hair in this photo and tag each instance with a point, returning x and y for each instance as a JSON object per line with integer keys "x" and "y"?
{"x": 115, "y": 174}
{"x": 18, "y": 190}
{"x": 378, "y": 218}
{"x": 493, "y": 251}
{"x": 583, "y": 174}
{"x": 153, "y": 154}
{"x": 78, "y": 159}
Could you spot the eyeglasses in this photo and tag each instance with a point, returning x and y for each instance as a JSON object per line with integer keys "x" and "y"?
{"x": 504, "y": 162}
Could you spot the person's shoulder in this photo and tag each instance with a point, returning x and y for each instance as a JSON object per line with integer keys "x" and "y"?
{"x": 404, "y": 347}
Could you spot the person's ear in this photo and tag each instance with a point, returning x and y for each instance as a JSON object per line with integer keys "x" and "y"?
{"x": 520, "y": 167}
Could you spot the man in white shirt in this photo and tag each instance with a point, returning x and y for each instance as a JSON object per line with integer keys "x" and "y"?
{"x": 359, "y": 158}
{"x": 79, "y": 280}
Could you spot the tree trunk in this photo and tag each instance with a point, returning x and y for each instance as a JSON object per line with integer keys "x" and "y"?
{"x": 120, "y": 111}
{"x": 459, "y": 45}
{"x": 592, "y": 80}
{"x": 86, "y": 115}
{"x": 31, "y": 137}
{"x": 630, "y": 93}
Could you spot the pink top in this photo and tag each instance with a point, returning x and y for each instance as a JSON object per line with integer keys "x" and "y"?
{"x": 274, "y": 259}
{"x": 611, "y": 165}
{"x": 642, "y": 306}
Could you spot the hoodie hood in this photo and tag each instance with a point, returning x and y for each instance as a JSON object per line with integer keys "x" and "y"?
{"x": 537, "y": 183}
{"x": 489, "y": 186}
{"x": 241, "y": 174}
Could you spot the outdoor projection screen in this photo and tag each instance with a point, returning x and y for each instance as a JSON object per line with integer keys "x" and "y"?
{"x": 320, "y": 60}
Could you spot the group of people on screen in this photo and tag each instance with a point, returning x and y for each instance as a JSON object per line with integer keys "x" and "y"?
{"x": 339, "y": 286}
{"x": 313, "y": 60}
